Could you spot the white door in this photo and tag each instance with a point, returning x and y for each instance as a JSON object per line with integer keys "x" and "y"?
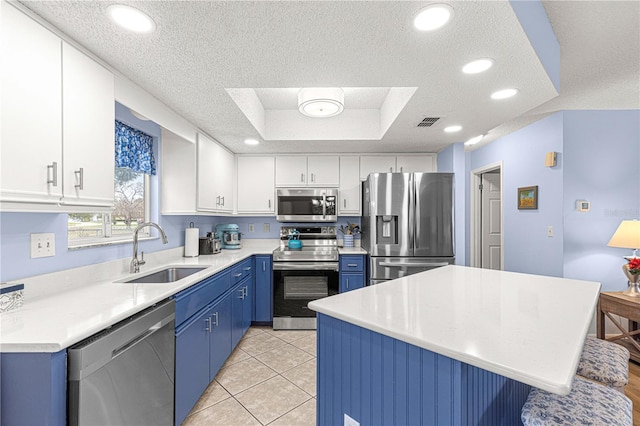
{"x": 31, "y": 110}
{"x": 291, "y": 170}
{"x": 491, "y": 221}
{"x": 349, "y": 191}
{"x": 323, "y": 170}
{"x": 88, "y": 116}
{"x": 416, "y": 163}
{"x": 376, "y": 164}
{"x": 256, "y": 177}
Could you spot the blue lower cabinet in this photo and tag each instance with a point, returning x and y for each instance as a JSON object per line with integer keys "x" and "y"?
{"x": 352, "y": 272}
{"x": 351, "y": 281}
{"x": 237, "y": 312}
{"x": 192, "y": 363}
{"x": 220, "y": 336}
{"x": 264, "y": 289}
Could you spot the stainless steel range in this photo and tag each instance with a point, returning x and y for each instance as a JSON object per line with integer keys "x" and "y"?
{"x": 303, "y": 274}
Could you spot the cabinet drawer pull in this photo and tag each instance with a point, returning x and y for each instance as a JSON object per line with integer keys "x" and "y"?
{"x": 80, "y": 178}
{"x": 54, "y": 174}
{"x": 248, "y": 268}
{"x": 352, "y": 265}
{"x": 237, "y": 275}
{"x": 301, "y": 177}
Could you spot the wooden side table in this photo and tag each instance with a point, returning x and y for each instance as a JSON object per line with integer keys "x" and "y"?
{"x": 616, "y": 303}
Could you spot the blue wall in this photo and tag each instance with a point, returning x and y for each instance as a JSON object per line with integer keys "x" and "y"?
{"x": 602, "y": 165}
{"x": 527, "y": 248}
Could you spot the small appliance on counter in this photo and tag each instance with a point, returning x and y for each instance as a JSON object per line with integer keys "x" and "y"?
{"x": 229, "y": 235}
{"x": 210, "y": 244}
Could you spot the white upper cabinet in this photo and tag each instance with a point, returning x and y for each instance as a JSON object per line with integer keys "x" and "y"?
{"x": 178, "y": 175}
{"x": 323, "y": 170}
{"x": 299, "y": 170}
{"x": 350, "y": 188}
{"x": 291, "y": 170}
{"x": 256, "y": 182}
{"x": 88, "y": 116}
{"x": 215, "y": 177}
{"x": 376, "y": 164}
{"x": 416, "y": 163}
{"x": 57, "y": 121}
{"x": 396, "y": 163}
{"x": 31, "y": 128}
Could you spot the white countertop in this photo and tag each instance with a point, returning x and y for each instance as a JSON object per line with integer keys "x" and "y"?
{"x": 87, "y": 300}
{"x": 526, "y": 327}
{"x": 351, "y": 250}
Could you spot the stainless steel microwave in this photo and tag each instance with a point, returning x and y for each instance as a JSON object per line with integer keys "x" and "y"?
{"x": 307, "y": 205}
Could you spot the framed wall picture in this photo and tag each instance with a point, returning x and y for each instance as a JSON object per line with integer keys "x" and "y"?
{"x": 528, "y": 198}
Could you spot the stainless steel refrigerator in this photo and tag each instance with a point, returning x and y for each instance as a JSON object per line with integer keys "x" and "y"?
{"x": 407, "y": 223}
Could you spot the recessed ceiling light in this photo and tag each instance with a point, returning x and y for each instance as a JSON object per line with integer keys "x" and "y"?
{"x": 321, "y": 102}
{"x": 433, "y": 17}
{"x": 477, "y": 66}
{"x": 504, "y": 94}
{"x": 452, "y": 129}
{"x": 131, "y": 18}
{"x": 474, "y": 140}
{"x": 251, "y": 141}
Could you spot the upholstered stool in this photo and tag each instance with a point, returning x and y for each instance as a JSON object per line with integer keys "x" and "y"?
{"x": 604, "y": 362}
{"x": 588, "y": 403}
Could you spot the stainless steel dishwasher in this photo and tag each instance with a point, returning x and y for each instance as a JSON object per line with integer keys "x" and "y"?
{"x": 124, "y": 375}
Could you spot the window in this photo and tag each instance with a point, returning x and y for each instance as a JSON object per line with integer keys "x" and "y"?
{"x": 134, "y": 164}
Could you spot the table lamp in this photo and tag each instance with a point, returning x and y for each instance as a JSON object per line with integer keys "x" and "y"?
{"x": 628, "y": 236}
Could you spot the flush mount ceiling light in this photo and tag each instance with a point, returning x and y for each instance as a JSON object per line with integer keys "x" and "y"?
{"x": 251, "y": 141}
{"x": 504, "y": 94}
{"x": 477, "y": 66}
{"x": 452, "y": 129}
{"x": 131, "y": 18}
{"x": 321, "y": 102}
{"x": 474, "y": 140}
{"x": 433, "y": 17}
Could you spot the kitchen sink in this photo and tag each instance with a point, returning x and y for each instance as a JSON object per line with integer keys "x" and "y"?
{"x": 167, "y": 275}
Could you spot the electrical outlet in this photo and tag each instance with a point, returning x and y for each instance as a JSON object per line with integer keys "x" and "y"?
{"x": 348, "y": 421}
{"x": 266, "y": 227}
{"x": 251, "y": 228}
{"x": 43, "y": 245}
{"x": 549, "y": 231}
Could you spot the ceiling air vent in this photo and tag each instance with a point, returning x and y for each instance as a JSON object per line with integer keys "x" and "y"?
{"x": 428, "y": 121}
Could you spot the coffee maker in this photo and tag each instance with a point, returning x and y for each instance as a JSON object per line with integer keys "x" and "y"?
{"x": 229, "y": 235}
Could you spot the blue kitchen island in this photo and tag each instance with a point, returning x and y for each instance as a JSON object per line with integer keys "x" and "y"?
{"x": 450, "y": 346}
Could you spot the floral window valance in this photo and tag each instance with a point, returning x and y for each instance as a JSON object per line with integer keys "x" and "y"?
{"x": 134, "y": 149}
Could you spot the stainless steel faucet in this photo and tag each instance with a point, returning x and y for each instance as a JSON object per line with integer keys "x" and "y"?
{"x": 135, "y": 263}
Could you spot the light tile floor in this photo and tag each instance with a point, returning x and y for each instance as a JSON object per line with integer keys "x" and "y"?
{"x": 270, "y": 379}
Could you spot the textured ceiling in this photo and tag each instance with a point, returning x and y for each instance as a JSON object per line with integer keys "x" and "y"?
{"x": 201, "y": 48}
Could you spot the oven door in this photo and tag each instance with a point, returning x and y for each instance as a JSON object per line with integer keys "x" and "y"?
{"x": 295, "y": 284}
{"x": 306, "y": 205}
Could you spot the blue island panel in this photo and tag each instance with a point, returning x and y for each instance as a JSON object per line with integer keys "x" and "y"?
{"x": 378, "y": 380}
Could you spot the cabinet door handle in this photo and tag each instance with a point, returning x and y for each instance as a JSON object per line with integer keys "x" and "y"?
{"x": 313, "y": 177}
{"x": 264, "y": 266}
{"x": 390, "y": 169}
{"x": 269, "y": 203}
{"x": 216, "y": 322}
{"x": 222, "y": 200}
{"x": 401, "y": 169}
{"x": 207, "y": 326}
{"x": 80, "y": 178}
{"x": 344, "y": 200}
{"x": 54, "y": 174}
{"x": 301, "y": 177}
{"x": 347, "y": 283}
{"x": 218, "y": 200}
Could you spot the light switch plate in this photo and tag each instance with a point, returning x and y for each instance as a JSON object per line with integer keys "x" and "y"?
{"x": 43, "y": 245}
{"x": 251, "y": 228}
{"x": 266, "y": 227}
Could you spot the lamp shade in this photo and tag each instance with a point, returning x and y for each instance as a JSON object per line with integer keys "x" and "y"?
{"x": 627, "y": 235}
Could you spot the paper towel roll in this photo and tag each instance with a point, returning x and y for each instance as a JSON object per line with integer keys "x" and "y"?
{"x": 191, "y": 242}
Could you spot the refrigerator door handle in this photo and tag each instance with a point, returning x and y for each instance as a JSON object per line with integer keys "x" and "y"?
{"x": 414, "y": 264}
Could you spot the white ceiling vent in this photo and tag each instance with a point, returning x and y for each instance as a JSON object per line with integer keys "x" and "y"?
{"x": 428, "y": 121}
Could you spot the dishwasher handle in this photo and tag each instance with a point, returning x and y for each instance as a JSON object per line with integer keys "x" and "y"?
{"x": 157, "y": 326}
